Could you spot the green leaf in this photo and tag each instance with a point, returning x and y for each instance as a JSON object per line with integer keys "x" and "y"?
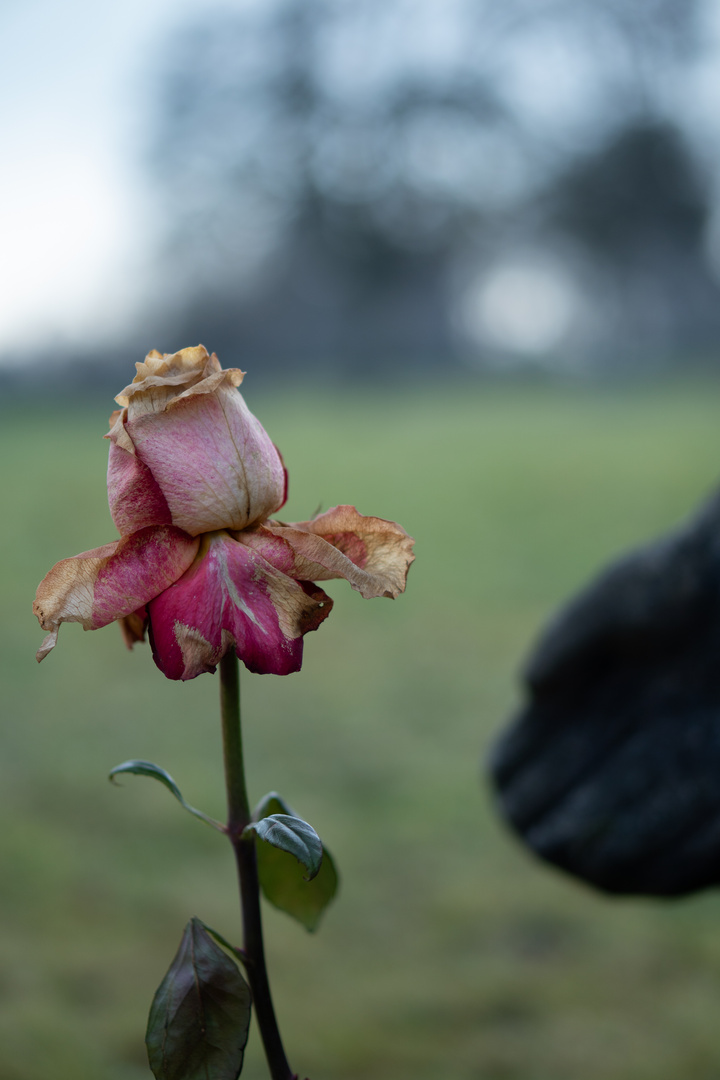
{"x": 281, "y": 876}
{"x": 272, "y": 803}
{"x": 147, "y": 768}
{"x": 200, "y": 1015}
{"x": 283, "y": 884}
{"x": 293, "y": 835}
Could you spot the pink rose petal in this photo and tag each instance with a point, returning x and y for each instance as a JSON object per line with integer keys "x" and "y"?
{"x": 233, "y": 598}
{"x": 108, "y": 583}
{"x": 212, "y": 460}
{"x": 135, "y": 498}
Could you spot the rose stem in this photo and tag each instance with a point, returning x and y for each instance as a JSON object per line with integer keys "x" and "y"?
{"x": 238, "y": 818}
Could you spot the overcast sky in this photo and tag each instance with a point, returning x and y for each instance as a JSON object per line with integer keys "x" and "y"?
{"x": 72, "y": 216}
{"x": 74, "y": 223}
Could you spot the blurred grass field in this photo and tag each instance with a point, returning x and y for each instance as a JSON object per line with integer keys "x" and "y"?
{"x": 450, "y": 954}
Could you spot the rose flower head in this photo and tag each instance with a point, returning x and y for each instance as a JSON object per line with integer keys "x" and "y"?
{"x": 193, "y": 479}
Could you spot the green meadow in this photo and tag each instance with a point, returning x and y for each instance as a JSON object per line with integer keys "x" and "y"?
{"x": 450, "y": 953}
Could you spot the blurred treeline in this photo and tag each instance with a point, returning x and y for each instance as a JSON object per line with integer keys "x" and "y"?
{"x": 384, "y": 186}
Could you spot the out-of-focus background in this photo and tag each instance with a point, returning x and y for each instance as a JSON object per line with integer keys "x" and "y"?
{"x": 469, "y": 254}
{"x": 377, "y": 188}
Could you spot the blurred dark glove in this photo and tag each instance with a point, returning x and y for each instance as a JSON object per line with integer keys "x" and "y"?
{"x": 612, "y": 769}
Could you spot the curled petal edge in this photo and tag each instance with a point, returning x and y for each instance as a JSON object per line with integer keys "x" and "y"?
{"x": 373, "y": 554}
{"x": 133, "y": 626}
{"x": 112, "y": 582}
{"x": 161, "y": 375}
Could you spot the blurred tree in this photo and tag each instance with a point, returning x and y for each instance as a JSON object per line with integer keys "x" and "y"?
{"x": 323, "y": 167}
{"x": 642, "y": 192}
{"x": 296, "y": 176}
{"x": 638, "y": 211}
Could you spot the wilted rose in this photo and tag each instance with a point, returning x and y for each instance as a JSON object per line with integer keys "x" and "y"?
{"x": 193, "y": 478}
